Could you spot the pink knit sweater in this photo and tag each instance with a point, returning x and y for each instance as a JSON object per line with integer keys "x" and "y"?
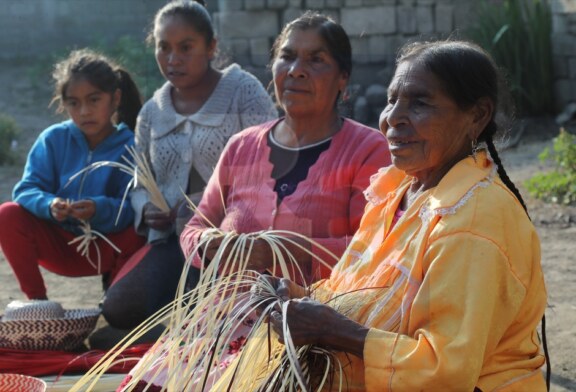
{"x": 326, "y": 206}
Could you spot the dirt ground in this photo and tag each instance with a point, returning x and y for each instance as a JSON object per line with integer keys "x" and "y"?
{"x": 27, "y": 102}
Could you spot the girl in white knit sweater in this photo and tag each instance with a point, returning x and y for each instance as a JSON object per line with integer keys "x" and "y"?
{"x": 181, "y": 131}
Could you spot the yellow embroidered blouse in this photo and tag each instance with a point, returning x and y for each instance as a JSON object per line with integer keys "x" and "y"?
{"x": 453, "y": 293}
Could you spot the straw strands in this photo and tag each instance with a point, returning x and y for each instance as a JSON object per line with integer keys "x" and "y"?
{"x": 201, "y": 324}
{"x": 141, "y": 172}
{"x": 87, "y": 238}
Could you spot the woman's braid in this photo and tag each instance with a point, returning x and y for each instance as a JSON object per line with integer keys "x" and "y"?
{"x": 502, "y": 172}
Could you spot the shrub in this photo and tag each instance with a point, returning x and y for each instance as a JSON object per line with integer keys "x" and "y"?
{"x": 9, "y": 132}
{"x": 517, "y": 34}
{"x": 558, "y": 186}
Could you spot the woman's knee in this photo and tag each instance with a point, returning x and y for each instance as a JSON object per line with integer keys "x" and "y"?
{"x": 123, "y": 313}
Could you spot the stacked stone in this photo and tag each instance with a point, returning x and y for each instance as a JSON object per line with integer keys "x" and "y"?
{"x": 564, "y": 52}
{"x": 377, "y": 29}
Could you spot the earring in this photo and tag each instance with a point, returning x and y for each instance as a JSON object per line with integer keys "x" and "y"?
{"x": 474, "y": 149}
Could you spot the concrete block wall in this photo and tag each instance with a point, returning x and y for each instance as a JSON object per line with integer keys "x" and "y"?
{"x": 377, "y": 28}
{"x": 564, "y": 51}
{"x": 34, "y": 28}
{"x": 247, "y": 28}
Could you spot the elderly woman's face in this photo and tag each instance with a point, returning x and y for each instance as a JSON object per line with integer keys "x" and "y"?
{"x": 427, "y": 132}
{"x": 307, "y": 78}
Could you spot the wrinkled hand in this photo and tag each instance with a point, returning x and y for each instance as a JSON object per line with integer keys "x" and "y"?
{"x": 283, "y": 288}
{"x": 82, "y": 209}
{"x": 311, "y": 322}
{"x": 60, "y": 209}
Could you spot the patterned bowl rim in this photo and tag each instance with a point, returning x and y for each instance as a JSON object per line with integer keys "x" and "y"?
{"x": 36, "y": 383}
{"x": 76, "y": 325}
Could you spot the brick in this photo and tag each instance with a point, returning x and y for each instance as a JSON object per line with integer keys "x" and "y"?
{"x": 373, "y": 20}
{"x": 334, "y": 3}
{"x": 383, "y": 48}
{"x": 295, "y": 3}
{"x": 560, "y": 67}
{"x": 444, "y": 18}
{"x": 425, "y": 19}
{"x": 230, "y": 5}
{"x": 315, "y": 4}
{"x": 240, "y": 24}
{"x": 277, "y": 4}
{"x": 406, "y": 17}
{"x": 360, "y": 51}
{"x": 378, "y": 2}
{"x": 290, "y": 14}
{"x": 353, "y": 3}
{"x": 564, "y": 91}
{"x": 260, "y": 51}
{"x": 572, "y": 67}
{"x": 21, "y": 8}
{"x": 254, "y": 5}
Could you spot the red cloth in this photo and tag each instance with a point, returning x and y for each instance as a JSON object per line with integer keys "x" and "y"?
{"x": 28, "y": 242}
{"x": 43, "y": 363}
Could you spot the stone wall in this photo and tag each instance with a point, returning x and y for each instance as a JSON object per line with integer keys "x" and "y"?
{"x": 247, "y": 28}
{"x": 564, "y": 51}
{"x": 34, "y": 28}
{"x": 377, "y": 28}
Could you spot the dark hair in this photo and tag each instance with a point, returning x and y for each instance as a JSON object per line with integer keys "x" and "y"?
{"x": 467, "y": 73}
{"x": 103, "y": 74}
{"x": 331, "y": 32}
{"x": 194, "y": 13}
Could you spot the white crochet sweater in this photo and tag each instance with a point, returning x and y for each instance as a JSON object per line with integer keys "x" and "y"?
{"x": 173, "y": 143}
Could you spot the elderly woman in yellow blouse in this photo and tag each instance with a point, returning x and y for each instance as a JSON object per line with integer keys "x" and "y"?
{"x": 441, "y": 288}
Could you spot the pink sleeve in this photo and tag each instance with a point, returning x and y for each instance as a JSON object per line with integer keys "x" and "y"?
{"x": 372, "y": 155}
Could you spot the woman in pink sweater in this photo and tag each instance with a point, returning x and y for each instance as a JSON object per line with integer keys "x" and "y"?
{"x": 305, "y": 172}
{"x": 325, "y": 206}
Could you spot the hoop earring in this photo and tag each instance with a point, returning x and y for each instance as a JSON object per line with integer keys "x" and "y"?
{"x": 474, "y": 149}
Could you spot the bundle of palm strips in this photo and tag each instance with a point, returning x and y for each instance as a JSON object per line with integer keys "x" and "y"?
{"x": 201, "y": 323}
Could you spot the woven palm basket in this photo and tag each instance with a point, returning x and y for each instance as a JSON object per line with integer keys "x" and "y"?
{"x": 45, "y": 325}
{"x": 19, "y": 383}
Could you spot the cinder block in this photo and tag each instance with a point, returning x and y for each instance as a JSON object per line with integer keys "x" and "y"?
{"x": 444, "y": 18}
{"x": 243, "y": 24}
{"x": 425, "y": 19}
{"x": 406, "y": 19}
{"x": 369, "y": 20}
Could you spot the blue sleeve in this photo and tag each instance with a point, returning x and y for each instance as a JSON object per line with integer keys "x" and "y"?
{"x": 39, "y": 183}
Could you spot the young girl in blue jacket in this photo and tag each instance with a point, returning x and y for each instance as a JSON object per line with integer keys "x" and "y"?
{"x": 48, "y": 211}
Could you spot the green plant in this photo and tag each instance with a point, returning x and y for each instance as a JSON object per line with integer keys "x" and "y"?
{"x": 517, "y": 34}
{"x": 9, "y": 132}
{"x": 558, "y": 186}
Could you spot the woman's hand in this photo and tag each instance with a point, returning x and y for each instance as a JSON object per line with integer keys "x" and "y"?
{"x": 157, "y": 219}
{"x": 59, "y": 208}
{"x": 311, "y": 322}
{"x": 82, "y": 209}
